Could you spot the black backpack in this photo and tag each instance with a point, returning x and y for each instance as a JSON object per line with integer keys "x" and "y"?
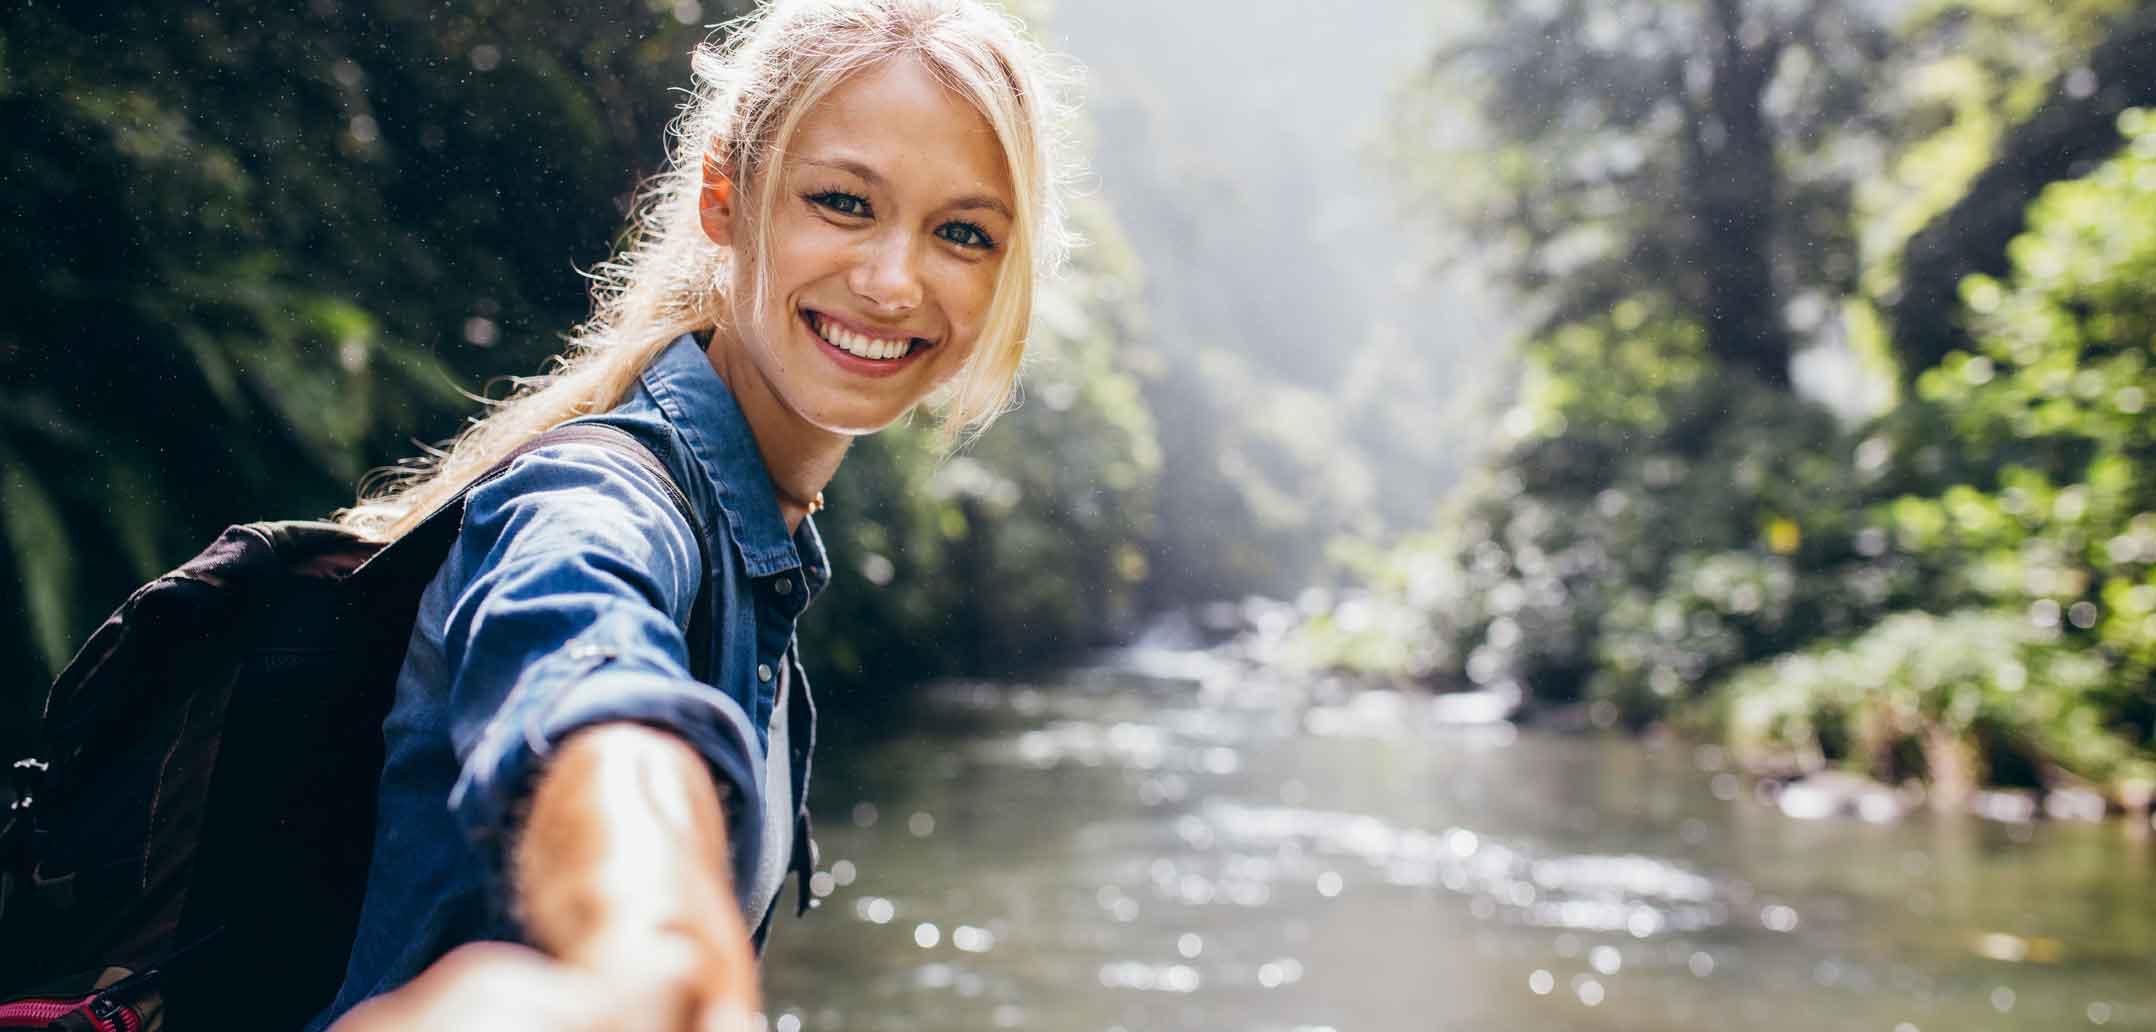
{"x": 188, "y": 844}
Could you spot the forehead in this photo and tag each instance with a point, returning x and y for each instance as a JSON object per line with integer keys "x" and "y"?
{"x": 899, "y": 119}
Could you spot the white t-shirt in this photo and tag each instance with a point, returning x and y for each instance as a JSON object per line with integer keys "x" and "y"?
{"x": 778, "y": 806}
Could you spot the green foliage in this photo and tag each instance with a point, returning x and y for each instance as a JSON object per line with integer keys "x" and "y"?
{"x": 1673, "y": 541}
{"x": 2053, "y": 515}
{"x": 2032, "y": 471}
{"x": 1649, "y": 528}
{"x": 1971, "y": 697}
{"x": 1666, "y": 536}
{"x": 38, "y": 539}
{"x": 259, "y": 251}
{"x": 1972, "y": 69}
{"x": 264, "y": 250}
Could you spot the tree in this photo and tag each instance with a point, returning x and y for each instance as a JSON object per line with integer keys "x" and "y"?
{"x": 1590, "y": 150}
{"x": 1960, "y": 587}
{"x": 2075, "y": 127}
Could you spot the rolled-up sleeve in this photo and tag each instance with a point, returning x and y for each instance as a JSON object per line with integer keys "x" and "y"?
{"x": 579, "y": 575}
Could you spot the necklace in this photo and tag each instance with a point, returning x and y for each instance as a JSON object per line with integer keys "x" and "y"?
{"x": 813, "y": 505}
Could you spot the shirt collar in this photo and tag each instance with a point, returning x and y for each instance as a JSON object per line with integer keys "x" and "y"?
{"x": 693, "y": 397}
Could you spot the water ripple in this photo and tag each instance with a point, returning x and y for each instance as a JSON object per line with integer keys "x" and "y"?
{"x": 1643, "y": 896}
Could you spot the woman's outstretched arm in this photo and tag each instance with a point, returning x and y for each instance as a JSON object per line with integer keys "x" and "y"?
{"x": 622, "y": 868}
{"x": 621, "y": 879}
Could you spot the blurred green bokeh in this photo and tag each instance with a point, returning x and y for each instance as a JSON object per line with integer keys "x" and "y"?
{"x": 1950, "y": 542}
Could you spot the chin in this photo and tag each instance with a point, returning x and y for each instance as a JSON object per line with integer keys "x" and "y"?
{"x": 850, "y": 420}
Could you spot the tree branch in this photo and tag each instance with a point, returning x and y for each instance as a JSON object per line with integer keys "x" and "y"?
{"x": 2060, "y": 141}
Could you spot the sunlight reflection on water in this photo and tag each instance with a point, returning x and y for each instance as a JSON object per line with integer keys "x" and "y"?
{"x": 1639, "y": 895}
{"x": 1106, "y": 854}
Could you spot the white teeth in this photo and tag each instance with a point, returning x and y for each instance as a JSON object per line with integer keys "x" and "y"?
{"x": 857, "y": 344}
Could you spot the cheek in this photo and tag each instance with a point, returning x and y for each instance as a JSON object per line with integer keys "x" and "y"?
{"x": 967, "y": 291}
{"x": 804, "y": 250}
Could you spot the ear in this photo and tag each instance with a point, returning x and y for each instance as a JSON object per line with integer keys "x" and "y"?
{"x": 715, "y": 202}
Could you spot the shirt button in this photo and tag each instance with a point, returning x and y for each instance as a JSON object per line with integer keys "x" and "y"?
{"x": 784, "y": 585}
{"x": 763, "y": 671}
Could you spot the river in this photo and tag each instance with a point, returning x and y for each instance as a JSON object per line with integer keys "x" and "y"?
{"x": 1112, "y": 850}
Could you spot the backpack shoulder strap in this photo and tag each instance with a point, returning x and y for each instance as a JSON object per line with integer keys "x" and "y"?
{"x": 428, "y": 543}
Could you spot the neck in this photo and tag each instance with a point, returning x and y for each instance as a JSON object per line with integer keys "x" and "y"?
{"x": 800, "y": 456}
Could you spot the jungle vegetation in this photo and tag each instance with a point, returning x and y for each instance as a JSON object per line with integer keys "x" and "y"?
{"x": 1829, "y": 434}
{"x": 262, "y": 249}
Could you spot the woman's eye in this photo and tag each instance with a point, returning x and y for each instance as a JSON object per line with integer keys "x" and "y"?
{"x": 965, "y": 234}
{"x": 842, "y": 202}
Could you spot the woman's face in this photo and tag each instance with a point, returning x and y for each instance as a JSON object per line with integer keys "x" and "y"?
{"x": 891, "y": 221}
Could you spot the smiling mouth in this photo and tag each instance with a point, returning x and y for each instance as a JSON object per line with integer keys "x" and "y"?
{"x": 861, "y": 345}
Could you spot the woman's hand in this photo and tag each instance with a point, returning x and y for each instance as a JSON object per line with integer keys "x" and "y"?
{"x": 621, "y": 880}
{"x": 502, "y": 987}
{"x": 622, "y": 870}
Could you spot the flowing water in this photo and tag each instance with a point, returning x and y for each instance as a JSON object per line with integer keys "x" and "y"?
{"x": 1121, "y": 851}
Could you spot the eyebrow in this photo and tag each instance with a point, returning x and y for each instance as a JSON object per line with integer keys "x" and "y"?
{"x": 982, "y": 201}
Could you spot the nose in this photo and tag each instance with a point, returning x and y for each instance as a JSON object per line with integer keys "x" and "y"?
{"x": 887, "y": 277}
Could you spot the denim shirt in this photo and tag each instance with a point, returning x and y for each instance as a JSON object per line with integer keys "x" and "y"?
{"x": 564, "y": 604}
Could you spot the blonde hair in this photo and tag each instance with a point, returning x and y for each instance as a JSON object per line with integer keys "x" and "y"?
{"x": 750, "y": 94}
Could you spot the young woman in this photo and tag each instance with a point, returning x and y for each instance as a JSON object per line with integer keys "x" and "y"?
{"x": 574, "y": 832}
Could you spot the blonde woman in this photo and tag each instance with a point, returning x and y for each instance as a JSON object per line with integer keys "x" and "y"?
{"x": 575, "y": 832}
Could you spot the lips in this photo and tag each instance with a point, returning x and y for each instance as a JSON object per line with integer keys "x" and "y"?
{"x": 860, "y": 343}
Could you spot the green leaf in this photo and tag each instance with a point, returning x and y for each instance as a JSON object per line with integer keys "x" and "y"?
{"x": 38, "y": 538}
{"x": 131, "y": 503}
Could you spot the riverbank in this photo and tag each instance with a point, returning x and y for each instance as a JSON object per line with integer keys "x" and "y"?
{"x": 1981, "y": 709}
{"x": 1953, "y": 715}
